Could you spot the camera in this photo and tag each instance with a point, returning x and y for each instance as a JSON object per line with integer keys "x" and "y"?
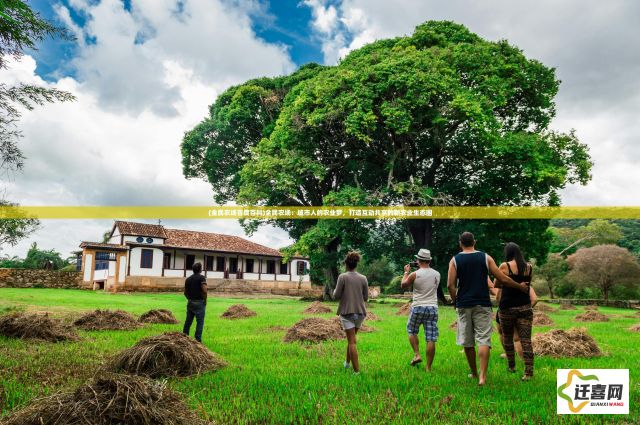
{"x": 413, "y": 264}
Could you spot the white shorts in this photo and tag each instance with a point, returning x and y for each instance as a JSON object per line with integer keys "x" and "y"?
{"x": 350, "y": 321}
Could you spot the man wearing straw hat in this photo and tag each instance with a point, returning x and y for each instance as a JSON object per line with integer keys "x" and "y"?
{"x": 424, "y": 307}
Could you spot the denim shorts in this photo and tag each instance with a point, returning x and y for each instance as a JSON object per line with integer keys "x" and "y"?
{"x": 350, "y": 321}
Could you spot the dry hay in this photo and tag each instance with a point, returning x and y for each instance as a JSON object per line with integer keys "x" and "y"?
{"x": 567, "y": 306}
{"x": 107, "y": 320}
{"x": 109, "y": 399}
{"x": 372, "y": 316}
{"x": 314, "y": 330}
{"x": 36, "y": 326}
{"x": 635, "y": 328}
{"x": 593, "y": 307}
{"x": 541, "y": 319}
{"x": 238, "y": 311}
{"x": 317, "y": 308}
{"x": 591, "y": 316}
{"x": 404, "y": 310}
{"x": 454, "y": 325}
{"x": 543, "y": 307}
{"x": 575, "y": 342}
{"x": 159, "y": 316}
{"x": 167, "y": 354}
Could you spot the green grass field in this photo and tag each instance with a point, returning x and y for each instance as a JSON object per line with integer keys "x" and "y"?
{"x": 268, "y": 381}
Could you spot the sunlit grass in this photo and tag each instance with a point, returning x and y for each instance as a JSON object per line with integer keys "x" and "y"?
{"x": 268, "y": 381}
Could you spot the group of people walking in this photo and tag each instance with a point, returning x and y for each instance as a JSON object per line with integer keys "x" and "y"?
{"x": 470, "y": 288}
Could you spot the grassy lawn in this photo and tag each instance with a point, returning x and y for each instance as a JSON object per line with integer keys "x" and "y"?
{"x": 268, "y": 381}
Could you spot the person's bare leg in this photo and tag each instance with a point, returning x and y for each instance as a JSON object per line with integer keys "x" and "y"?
{"x": 483, "y": 353}
{"x": 415, "y": 344}
{"x": 470, "y": 352}
{"x": 348, "y": 360}
{"x": 353, "y": 350}
{"x": 431, "y": 352}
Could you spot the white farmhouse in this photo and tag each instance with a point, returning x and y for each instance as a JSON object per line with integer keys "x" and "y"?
{"x": 143, "y": 256}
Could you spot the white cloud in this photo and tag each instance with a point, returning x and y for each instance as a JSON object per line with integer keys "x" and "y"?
{"x": 143, "y": 79}
{"x": 588, "y": 42}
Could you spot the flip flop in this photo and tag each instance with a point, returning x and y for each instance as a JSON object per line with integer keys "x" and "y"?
{"x": 415, "y": 362}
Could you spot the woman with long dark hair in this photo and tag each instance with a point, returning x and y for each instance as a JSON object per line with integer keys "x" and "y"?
{"x": 515, "y": 311}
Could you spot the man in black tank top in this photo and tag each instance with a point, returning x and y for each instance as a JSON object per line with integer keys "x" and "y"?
{"x": 467, "y": 283}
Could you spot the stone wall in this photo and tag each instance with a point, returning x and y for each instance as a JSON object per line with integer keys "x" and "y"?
{"x": 610, "y": 303}
{"x": 24, "y": 278}
{"x": 222, "y": 286}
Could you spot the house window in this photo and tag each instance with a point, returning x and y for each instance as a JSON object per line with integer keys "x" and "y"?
{"x": 271, "y": 267}
{"x": 102, "y": 260}
{"x": 233, "y": 265}
{"x": 208, "y": 263}
{"x": 189, "y": 259}
{"x": 166, "y": 263}
{"x": 302, "y": 268}
{"x": 249, "y": 265}
{"x": 146, "y": 259}
{"x": 283, "y": 268}
{"x": 220, "y": 264}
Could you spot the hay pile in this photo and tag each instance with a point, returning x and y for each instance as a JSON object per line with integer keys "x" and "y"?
{"x": 314, "y": 330}
{"x": 317, "y": 308}
{"x": 593, "y": 307}
{"x": 571, "y": 343}
{"x": 544, "y": 307}
{"x": 109, "y": 399}
{"x": 635, "y": 328}
{"x": 107, "y": 320}
{"x": 372, "y": 316}
{"x": 404, "y": 310}
{"x": 541, "y": 319}
{"x": 238, "y": 311}
{"x": 158, "y": 316}
{"x": 567, "y": 306}
{"x": 591, "y": 316}
{"x": 36, "y": 326}
{"x": 168, "y": 354}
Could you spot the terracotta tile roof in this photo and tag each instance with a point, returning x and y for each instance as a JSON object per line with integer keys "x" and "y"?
{"x": 111, "y": 246}
{"x": 216, "y": 242}
{"x": 140, "y": 229}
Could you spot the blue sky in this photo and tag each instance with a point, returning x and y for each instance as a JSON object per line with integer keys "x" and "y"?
{"x": 145, "y": 71}
{"x": 286, "y": 22}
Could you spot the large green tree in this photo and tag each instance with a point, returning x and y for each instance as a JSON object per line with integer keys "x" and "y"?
{"x": 442, "y": 117}
{"x": 20, "y": 29}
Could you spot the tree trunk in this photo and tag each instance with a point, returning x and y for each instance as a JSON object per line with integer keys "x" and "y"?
{"x": 421, "y": 232}
{"x": 550, "y": 290}
{"x": 330, "y": 269}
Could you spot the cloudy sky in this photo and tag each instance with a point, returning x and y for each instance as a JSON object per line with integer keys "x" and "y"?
{"x": 145, "y": 71}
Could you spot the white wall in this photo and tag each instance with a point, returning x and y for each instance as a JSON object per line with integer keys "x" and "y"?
{"x": 128, "y": 238}
{"x": 88, "y": 266}
{"x": 122, "y": 273}
{"x": 115, "y": 238}
{"x": 100, "y": 275}
{"x": 134, "y": 258}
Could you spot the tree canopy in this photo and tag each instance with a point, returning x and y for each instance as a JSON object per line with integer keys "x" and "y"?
{"x": 441, "y": 117}
{"x": 20, "y": 29}
{"x": 603, "y": 266}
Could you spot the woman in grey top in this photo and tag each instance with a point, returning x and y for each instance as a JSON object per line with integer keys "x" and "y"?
{"x": 352, "y": 290}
